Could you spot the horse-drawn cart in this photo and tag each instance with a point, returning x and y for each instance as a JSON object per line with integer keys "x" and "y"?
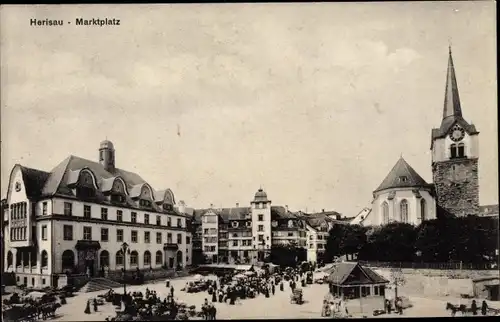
{"x": 297, "y": 296}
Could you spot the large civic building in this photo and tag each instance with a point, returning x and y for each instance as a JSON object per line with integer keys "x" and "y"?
{"x": 76, "y": 218}
{"x": 404, "y": 196}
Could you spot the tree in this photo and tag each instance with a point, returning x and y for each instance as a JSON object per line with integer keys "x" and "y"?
{"x": 397, "y": 279}
{"x": 394, "y": 242}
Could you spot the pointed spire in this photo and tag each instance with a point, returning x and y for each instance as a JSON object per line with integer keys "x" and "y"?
{"x": 451, "y": 98}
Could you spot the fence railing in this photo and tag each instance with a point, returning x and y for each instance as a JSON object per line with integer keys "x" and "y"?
{"x": 440, "y": 266}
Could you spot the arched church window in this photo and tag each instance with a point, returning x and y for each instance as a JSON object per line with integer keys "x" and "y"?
{"x": 403, "y": 208}
{"x": 453, "y": 151}
{"x": 461, "y": 150}
{"x": 423, "y": 209}
{"x": 385, "y": 213}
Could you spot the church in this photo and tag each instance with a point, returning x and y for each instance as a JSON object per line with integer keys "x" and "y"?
{"x": 404, "y": 196}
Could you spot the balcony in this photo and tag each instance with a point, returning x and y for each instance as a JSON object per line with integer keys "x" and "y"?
{"x": 170, "y": 246}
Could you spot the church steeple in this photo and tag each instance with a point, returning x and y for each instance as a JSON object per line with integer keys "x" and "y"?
{"x": 452, "y": 106}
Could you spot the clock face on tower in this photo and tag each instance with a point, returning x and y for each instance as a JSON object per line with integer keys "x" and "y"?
{"x": 457, "y": 133}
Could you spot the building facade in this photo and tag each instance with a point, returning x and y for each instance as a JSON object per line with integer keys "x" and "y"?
{"x": 76, "y": 218}
{"x": 246, "y": 235}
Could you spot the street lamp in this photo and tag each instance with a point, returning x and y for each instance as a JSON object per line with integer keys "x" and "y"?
{"x": 125, "y": 250}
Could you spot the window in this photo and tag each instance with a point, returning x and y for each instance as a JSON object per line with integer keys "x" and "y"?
{"x": 179, "y": 222}
{"x": 453, "y": 151}
{"x": 169, "y": 221}
{"x": 133, "y": 217}
{"x": 179, "y": 238}
{"x": 311, "y": 245}
{"x": 403, "y": 208}
{"x": 144, "y": 203}
{"x": 119, "y": 215}
{"x": 423, "y": 209}
{"x": 44, "y": 209}
{"x": 68, "y": 232}
{"x": 86, "y": 211}
{"x": 87, "y": 233}
{"x": 235, "y": 243}
{"x": 104, "y": 213}
{"x": 134, "y": 236}
{"x": 68, "y": 209}
{"x": 147, "y": 258}
{"x": 119, "y": 235}
{"x": 188, "y": 240}
{"x": 146, "y": 219}
{"x": 261, "y": 227}
{"x": 385, "y": 212}
{"x": 290, "y": 234}
{"x": 119, "y": 258}
{"x": 104, "y": 234}
{"x": 261, "y": 217}
{"x": 133, "y": 258}
{"x": 158, "y": 220}
{"x": 45, "y": 259}
{"x": 403, "y": 179}
{"x": 461, "y": 150}
{"x": 147, "y": 237}
{"x": 234, "y": 224}
{"x": 169, "y": 238}
{"x": 205, "y": 231}
{"x": 44, "y": 232}
{"x": 261, "y": 237}
{"x": 158, "y": 238}
{"x": 159, "y": 258}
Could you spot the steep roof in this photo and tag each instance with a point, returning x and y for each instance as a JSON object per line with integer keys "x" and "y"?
{"x": 452, "y": 109}
{"x": 343, "y": 271}
{"x": 394, "y": 178}
{"x": 239, "y": 213}
{"x": 59, "y": 180}
{"x": 34, "y": 181}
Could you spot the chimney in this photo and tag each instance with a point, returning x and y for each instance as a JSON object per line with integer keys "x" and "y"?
{"x": 286, "y": 207}
{"x": 322, "y": 210}
{"x": 237, "y": 204}
{"x": 211, "y": 205}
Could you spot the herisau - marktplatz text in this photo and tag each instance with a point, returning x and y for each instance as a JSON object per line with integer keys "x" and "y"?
{"x": 79, "y": 22}
{"x": 97, "y": 22}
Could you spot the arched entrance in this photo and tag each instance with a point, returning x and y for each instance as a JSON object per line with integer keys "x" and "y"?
{"x": 68, "y": 260}
{"x": 179, "y": 259}
{"x": 103, "y": 261}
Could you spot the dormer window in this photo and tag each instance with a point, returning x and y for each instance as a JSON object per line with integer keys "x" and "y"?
{"x": 167, "y": 207}
{"x": 234, "y": 224}
{"x": 403, "y": 179}
{"x": 249, "y": 224}
{"x": 290, "y": 224}
{"x": 117, "y": 198}
{"x": 144, "y": 203}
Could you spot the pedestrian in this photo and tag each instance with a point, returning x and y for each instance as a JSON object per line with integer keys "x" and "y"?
{"x": 272, "y": 289}
{"x": 87, "y": 308}
{"x": 282, "y": 288}
{"x": 484, "y": 308}
{"x": 95, "y": 305}
{"x": 172, "y": 291}
{"x": 473, "y": 307}
{"x": 214, "y": 296}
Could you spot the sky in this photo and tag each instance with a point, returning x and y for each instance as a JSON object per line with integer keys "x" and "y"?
{"x": 314, "y": 102}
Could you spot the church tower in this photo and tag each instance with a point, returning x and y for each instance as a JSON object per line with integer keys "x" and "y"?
{"x": 455, "y": 155}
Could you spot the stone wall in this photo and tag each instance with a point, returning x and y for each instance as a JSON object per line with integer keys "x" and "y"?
{"x": 457, "y": 187}
{"x": 437, "y": 283}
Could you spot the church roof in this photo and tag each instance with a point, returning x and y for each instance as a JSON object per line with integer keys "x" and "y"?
{"x": 452, "y": 109}
{"x": 402, "y": 175}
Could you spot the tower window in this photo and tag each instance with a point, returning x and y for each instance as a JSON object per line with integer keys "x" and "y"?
{"x": 457, "y": 151}
{"x": 453, "y": 151}
{"x": 461, "y": 150}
